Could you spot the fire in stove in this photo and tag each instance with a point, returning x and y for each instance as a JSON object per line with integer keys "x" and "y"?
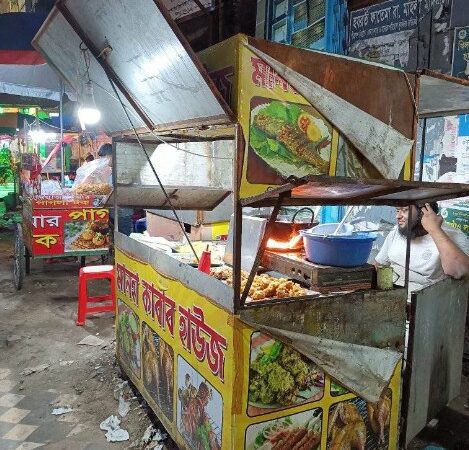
{"x": 293, "y": 244}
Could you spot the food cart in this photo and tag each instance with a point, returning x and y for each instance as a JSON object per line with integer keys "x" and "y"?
{"x": 56, "y": 221}
{"x": 234, "y": 359}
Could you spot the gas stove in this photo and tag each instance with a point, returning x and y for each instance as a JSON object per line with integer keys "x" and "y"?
{"x": 324, "y": 279}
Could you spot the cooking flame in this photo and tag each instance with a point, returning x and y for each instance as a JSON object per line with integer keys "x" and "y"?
{"x": 293, "y": 244}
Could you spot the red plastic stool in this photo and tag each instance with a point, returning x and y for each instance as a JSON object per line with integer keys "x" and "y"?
{"x": 105, "y": 303}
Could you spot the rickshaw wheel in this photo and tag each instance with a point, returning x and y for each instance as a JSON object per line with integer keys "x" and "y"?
{"x": 27, "y": 260}
{"x": 19, "y": 268}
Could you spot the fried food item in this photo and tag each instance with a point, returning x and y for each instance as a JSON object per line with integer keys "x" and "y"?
{"x": 350, "y": 437}
{"x": 379, "y": 415}
{"x": 87, "y": 235}
{"x": 264, "y": 286}
{"x": 96, "y": 189}
{"x": 292, "y": 138}
{"x": 347, "y": 429}
{"x": 222, "y": 274}
{"x": 99, "y": 240}
{"x": 278, "y": 374}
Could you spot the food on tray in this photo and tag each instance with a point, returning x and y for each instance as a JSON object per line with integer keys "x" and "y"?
{"x": 379, "y": 415}
{"x": 196, "y": 423}
{"x": 217, "y": 251}
{"x": 283, "y": 434}
{"x": 291, "y": 140}
{"x": 347, "y": 429}
{"x": 83, "y": 235}
{"x": 279, "y": 375}
{"x": 264, "y": 286}
{"x": 95, "y": 189}
{"x": 93, "y": 178}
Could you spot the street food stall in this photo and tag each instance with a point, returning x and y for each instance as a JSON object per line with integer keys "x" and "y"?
{"x": 58, "y": 221}
{"x": 268, "y": 350}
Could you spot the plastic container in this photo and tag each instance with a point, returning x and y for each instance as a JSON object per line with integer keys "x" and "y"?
{"x": 341, "y": 251}
{"x": 327, "y": 229}
{"x": 205, "y": 261}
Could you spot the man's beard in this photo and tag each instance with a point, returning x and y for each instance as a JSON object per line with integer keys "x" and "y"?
{"x": 416, "y": 229}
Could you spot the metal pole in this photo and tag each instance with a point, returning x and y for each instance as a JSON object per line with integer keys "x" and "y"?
{"x": 422, "y": 148}
{"x": 62, "y": 155}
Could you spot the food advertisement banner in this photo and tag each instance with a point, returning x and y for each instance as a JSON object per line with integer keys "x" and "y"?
{"x": 177, "y": 347}
{"x": 215, "y": 383}
{"x": 290, "y": 403}
{"x": 66, "y": 231}
{"x": 285, "y": 136}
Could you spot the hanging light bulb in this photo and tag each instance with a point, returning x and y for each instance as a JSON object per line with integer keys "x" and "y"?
{"x": 88, "y": 114}
{"x": 40, "y": 136}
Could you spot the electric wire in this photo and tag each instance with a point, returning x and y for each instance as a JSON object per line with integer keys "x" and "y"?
{"x": 158, "y": 137}
{"x": 168, "y": 199}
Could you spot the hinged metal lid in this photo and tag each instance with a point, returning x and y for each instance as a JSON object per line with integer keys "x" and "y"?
{"x": 136, "y": 44}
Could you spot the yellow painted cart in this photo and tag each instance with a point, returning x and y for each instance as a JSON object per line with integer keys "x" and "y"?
{"x": 272, "y": 126}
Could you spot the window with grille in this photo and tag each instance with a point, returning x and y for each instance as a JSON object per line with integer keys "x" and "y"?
{"x": 301, "y": 23}
{"x": 309, "y": 35}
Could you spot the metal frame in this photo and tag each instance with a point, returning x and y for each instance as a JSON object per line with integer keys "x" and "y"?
{"x": 381, "y": 188}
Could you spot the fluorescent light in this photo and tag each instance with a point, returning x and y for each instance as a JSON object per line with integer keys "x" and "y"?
{"x": 54, "y": 114}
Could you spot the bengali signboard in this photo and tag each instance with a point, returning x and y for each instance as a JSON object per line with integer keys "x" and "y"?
{"x": 460, "y": 66}
{"x": 381, "y": 32}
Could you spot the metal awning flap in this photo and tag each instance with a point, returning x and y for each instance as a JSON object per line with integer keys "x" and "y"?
{"x": 442, "y": 95}
{"x": 382, "y": 145}
{"x": 321, "y": 190}
{"x": 135, "y": 44}
{"x": 366, "y": 371}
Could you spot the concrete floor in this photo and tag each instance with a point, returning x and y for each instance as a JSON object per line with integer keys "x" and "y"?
{"x": 37, "y": 327}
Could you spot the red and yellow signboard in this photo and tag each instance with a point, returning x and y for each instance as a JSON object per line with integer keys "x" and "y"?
{"x": 55, "y": 227}
{"x": 216, "y": 383}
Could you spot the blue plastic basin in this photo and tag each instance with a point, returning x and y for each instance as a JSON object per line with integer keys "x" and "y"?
{"x": 340, "y": 251}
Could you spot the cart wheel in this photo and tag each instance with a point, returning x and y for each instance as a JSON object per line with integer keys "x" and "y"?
{"x": 27, "y": 260}
{"x": 20, "y": 261}
{"x": 82, "y": 261}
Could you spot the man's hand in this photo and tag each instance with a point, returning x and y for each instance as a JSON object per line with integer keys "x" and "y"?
{"x": 454, "y": 261}
{"x": 430, "y": 220}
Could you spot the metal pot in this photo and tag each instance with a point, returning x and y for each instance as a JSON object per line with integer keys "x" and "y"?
{"x": 284, "y": 229}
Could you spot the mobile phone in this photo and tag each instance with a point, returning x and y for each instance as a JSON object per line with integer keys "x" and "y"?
{"x": 419, "y": 211}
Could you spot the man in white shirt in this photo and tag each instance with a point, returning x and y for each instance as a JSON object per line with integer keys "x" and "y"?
{"x": 436, "y": 250}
